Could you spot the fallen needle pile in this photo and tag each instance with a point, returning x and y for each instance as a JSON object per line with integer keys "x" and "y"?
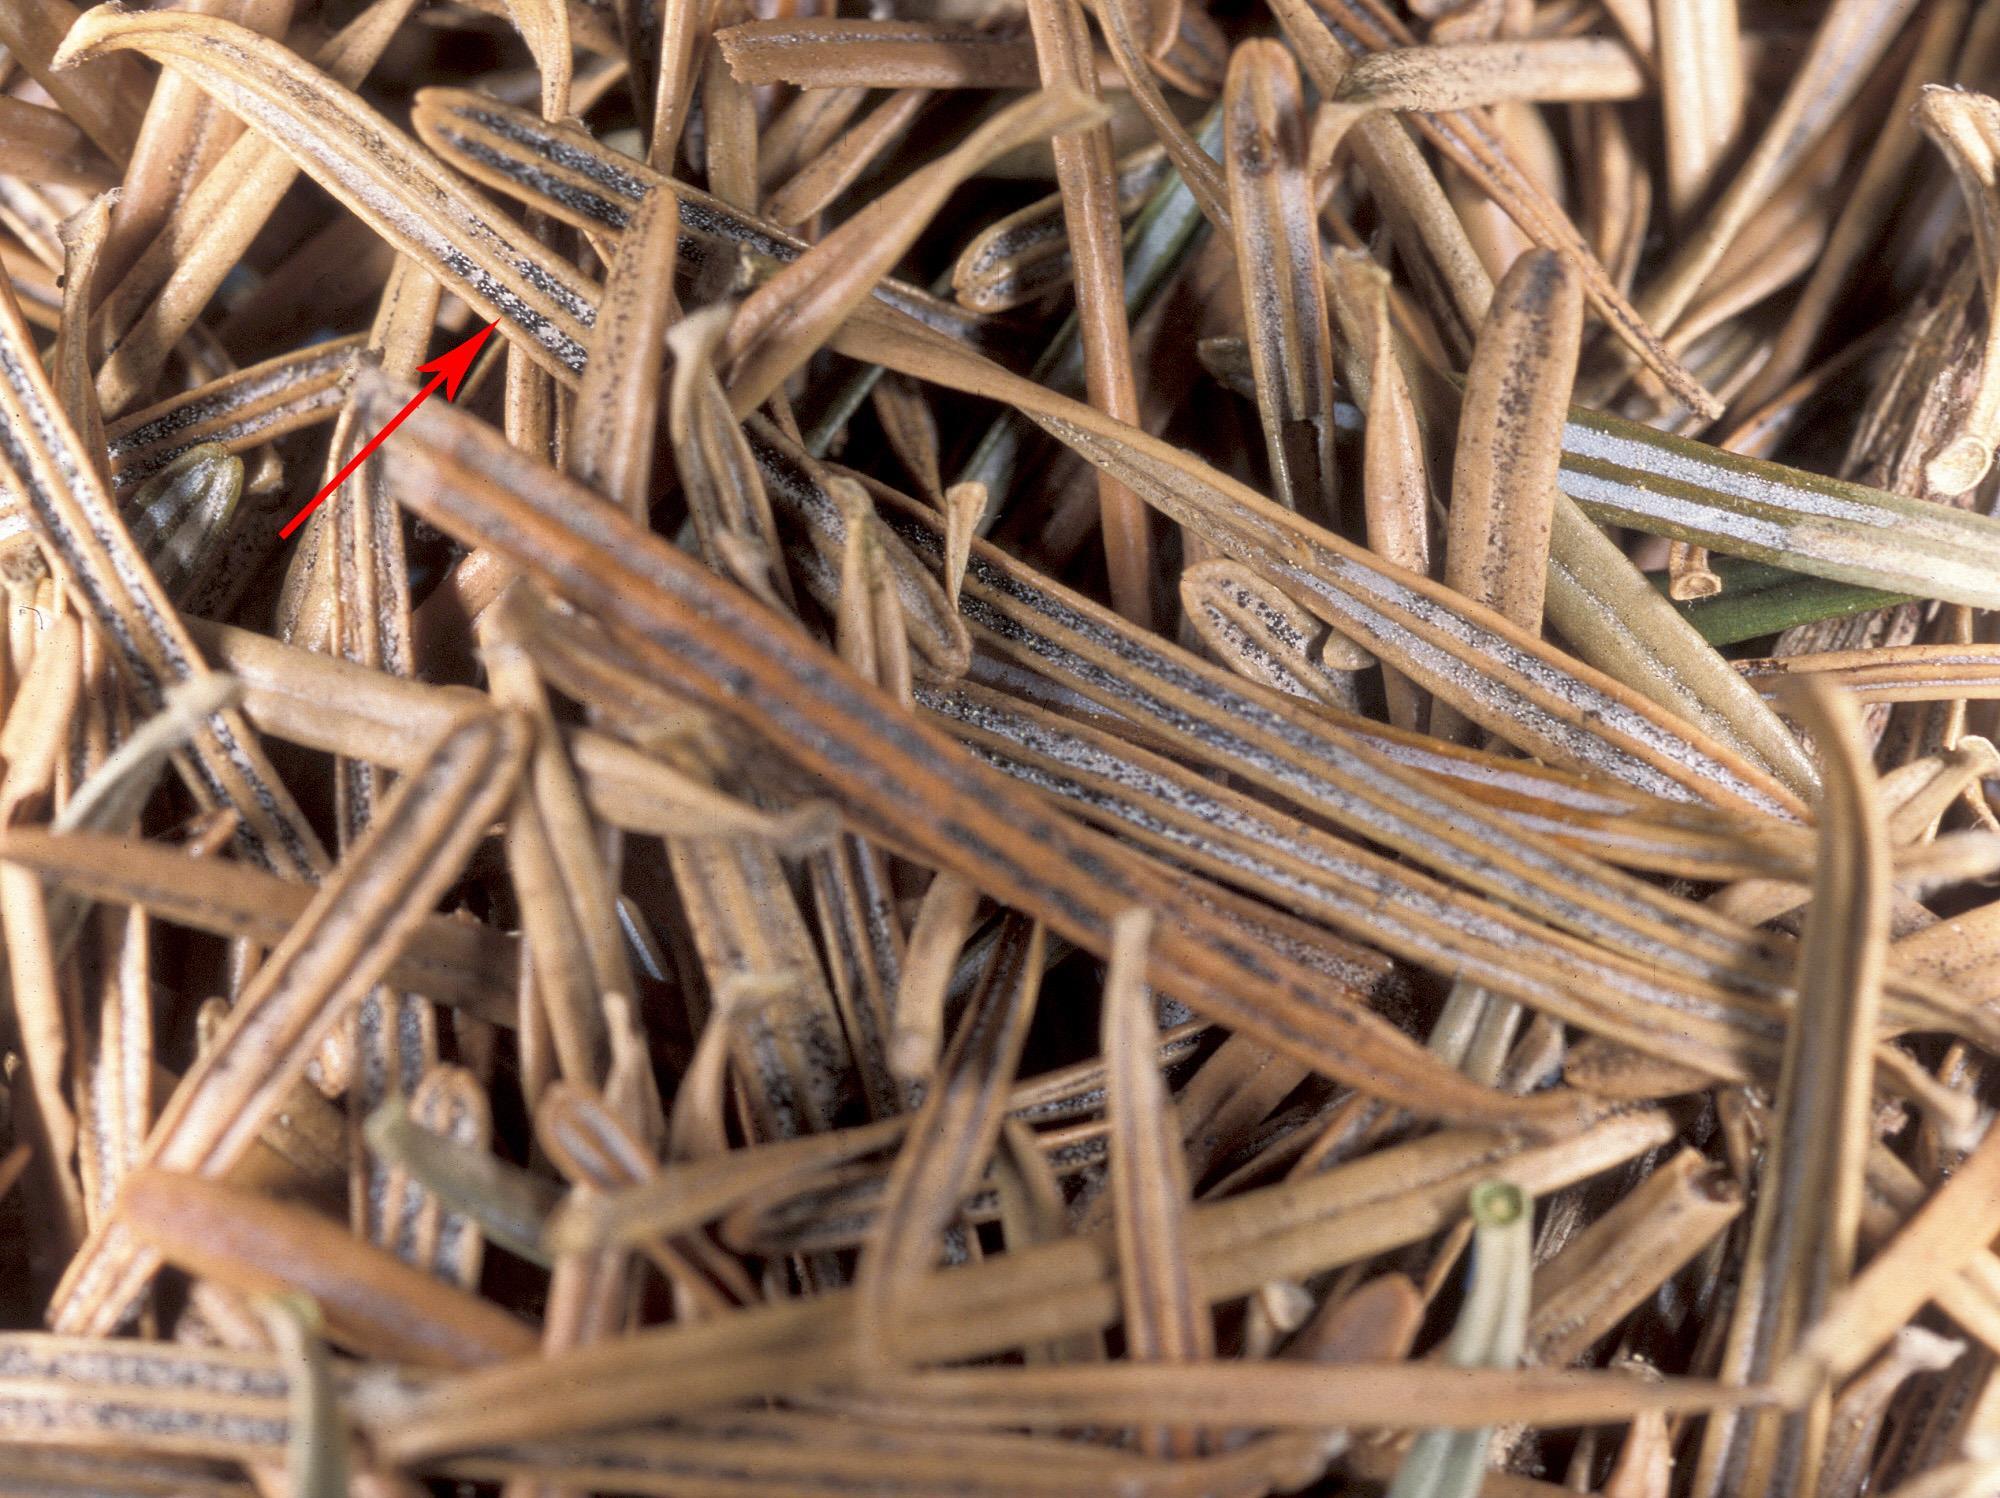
{"x": 1120, "y": 747}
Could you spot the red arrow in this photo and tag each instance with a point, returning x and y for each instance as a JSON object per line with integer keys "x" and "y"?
{"x": 448, "y": 370}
